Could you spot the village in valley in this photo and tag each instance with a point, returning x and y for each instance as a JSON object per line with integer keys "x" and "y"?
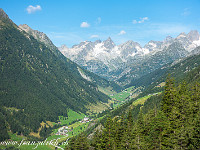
{"x": 85, "y": 120}
{"x": 65, "y": 129}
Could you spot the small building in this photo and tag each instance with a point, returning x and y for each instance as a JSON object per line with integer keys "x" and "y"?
{"x": 86, "y": 119}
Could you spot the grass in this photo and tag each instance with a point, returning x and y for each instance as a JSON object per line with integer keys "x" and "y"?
{"x": 97, "y": 108}
{"x": 107, "y": 91}
{"x": 39, "y": 147}
{"x": 50, "y": 123}
{"x": 123, "y": 96}
{"x": 16, "y": 137}
{"x": 142, "y": 100}
{"x": 72, "y": 116}
{"x": 52, "y": 137}
{"x": 78, "y": 127}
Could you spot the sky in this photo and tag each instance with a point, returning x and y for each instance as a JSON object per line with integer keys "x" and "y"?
{"x": 70, "y": 22}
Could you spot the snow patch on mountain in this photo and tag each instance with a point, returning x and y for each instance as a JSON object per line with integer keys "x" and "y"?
{"x": 105, "y": 58}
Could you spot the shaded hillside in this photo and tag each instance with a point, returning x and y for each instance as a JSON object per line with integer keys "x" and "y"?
{"x": 36, "y": 83}
{"x": 41, "y": 37}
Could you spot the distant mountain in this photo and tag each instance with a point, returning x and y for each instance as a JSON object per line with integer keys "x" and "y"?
{"x": 154, "y": 81}
{"x": 130, "y": 60}
{"x": 154, "y": 61}
{"x": 37, "y": 83}
{"x": 102, "y": 57}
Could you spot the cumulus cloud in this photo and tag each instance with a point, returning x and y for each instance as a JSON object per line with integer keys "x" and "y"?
{"x": 94, "y": 36}
{"x": 141, "y": 20}
{"x": 31, "y": 9}
{"x": 85, "y": 25}
{"x": 122, "y": 32}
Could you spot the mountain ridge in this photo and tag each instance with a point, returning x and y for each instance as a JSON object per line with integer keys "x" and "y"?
{"x": 42, "y": 37}
{"x": 114, "y": 63}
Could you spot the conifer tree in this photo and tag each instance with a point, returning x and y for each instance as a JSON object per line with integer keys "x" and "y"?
{"x": 159, "y": 133}
{"x": 167, "y": 103}
{"x": 139, "y": 128}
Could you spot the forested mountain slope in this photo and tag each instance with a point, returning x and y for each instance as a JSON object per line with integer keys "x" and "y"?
{"x": 165, "y": 121}
{"x": 101, "y": 82}
{"x": 36, "y": 83}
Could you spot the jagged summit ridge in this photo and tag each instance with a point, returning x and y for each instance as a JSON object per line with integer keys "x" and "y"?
{"x": 193, "y": 35}
{"x": 36, "y": 34}
{"x": 104, "y": 57}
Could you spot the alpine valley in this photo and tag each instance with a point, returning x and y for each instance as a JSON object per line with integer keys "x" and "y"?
{"x": 98, "y": 95}
{"x": 38, "y": 83}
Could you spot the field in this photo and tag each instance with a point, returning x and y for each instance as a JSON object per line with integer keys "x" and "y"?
{"x": 72, "y": 116}
{"x": 125, "y": 95}
{"x": 107, "y": 91}
{"x": 143, "y": 99}
{"x": 97, "y": 108}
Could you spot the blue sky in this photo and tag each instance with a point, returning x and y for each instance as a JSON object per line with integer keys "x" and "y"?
{"x": 72, "y": 21}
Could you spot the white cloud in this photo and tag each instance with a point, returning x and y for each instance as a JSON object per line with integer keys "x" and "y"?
{"x": 141, "y": 20}
{"x": 94, "y": 36}
{"x": 85, "y": 25}
{"x": 122, "y": 32}
{"x": 31, "y": 9}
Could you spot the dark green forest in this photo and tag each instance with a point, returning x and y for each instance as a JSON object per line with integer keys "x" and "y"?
{"x": 174, "y": 124}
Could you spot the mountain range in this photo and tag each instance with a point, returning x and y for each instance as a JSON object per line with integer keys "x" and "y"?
{"x": 127, "y": 61}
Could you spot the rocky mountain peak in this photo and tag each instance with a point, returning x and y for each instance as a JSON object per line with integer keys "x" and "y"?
{"x": 40, "y": 36}
{"x": 109, "y": 44}
{"x": 182, "y": 35}
{"x": 193, "y": 35}
{"x": 97, "y": 41}
{"x": 129, "y": 45}
{"x": 109, "y": 39}
{"x": 168, "y": 38}
{"x": 130, "y": 42}
{"x": 4, "y": 18}
{"x": 64, "y": 46}
{"x": 25, "y": 27}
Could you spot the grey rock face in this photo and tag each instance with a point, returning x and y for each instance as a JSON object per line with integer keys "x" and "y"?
{"x": 193, "y": 35}
{"x": 130, "y": 60}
